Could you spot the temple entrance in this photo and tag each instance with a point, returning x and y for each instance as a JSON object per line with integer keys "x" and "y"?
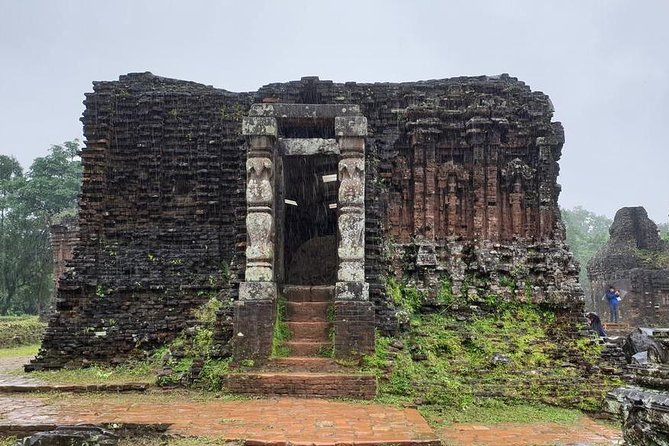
{"x": 305, "y": 226}
{"x": 310, "y": 219}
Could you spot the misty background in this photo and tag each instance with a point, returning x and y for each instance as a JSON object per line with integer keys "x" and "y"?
{"x": 603, "y": 63}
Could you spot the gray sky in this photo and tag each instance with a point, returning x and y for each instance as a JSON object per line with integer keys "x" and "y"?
{"x": 605, "y": 65}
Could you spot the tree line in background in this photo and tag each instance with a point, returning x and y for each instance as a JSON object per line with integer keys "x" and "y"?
{"x": 30, "y": 202}
{"x": 587, "y": 232}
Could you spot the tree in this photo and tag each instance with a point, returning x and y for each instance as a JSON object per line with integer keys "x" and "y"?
{"x": 586, "y": 233}
{"x": 664, "y": 231}
{"x": 28, "y": 206}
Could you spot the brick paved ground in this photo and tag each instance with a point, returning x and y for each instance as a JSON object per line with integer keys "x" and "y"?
{"x": 584, "y": 432}
{"x": 298, "y": 421}
{"x": 277, "y": 421}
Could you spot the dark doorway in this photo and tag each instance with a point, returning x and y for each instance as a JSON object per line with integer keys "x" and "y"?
{"x": 310, "y": 222}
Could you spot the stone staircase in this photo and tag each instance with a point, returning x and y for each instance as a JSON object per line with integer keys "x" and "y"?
{"x": 306, "y": 372}
{"x": 617, "y": 328}
{"x": 307, "y": 319}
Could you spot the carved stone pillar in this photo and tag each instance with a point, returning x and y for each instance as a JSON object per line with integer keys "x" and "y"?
{"x": 354, "y": 314}
{"x": 255, "y": 309}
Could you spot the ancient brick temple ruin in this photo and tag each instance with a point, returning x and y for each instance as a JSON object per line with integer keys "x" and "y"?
{"x": 312, "y": 189}
{"x": 636, "y": 260}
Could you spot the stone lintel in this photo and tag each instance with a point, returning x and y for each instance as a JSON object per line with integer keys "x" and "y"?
{"x": 352, "y": 291}
{"x": 259, "y": 126}
{"x": 308, "y": 146}
{"x": 350, "y": 126}
{"x": 298, "y": 111}
{"x": 257, "y": 291}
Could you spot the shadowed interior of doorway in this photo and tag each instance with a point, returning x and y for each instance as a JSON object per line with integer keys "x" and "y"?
{"x": 310, "y": 240}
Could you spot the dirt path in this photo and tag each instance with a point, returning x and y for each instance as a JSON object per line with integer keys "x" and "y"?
{"x": 8, "y": 368}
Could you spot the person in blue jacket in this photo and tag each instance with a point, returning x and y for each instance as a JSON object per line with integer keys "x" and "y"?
{"x": 613, "y": 297}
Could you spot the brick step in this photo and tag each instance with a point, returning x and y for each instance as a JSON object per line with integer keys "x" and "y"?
{"x": 305, "y": 385}
{"x": 307, "y": 348}
{"x": 305, "y": 364}
{"x": 309, "y": 331}
{"x": 307, "y": 311}
{"x": 306, "y": 293}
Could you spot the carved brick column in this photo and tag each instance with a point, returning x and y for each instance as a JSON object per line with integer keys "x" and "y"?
{"x": 546, "y": 179}
{"x": 255, "y": 310}
{"x": 354, "y": 314}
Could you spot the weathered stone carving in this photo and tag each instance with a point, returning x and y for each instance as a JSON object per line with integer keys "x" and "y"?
{"x": 259, "y": 183}
{"x": 352, "y": 182}
{"x": 351, "y": 236}
{"x": 259, "y": 226}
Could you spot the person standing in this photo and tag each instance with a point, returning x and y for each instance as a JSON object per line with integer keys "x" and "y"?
{"x": 613, "y": 297}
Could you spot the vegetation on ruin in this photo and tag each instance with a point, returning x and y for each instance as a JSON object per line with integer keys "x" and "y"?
{"x": 29, "y": 202}
{"x": 281, "y": 331}
{"x": 464, "y": 353}
{"x": 654, "y": 259}
{"x": 188, "y": 359}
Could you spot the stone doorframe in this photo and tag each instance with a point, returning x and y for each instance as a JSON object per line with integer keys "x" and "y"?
{"x": 255, "y": 311}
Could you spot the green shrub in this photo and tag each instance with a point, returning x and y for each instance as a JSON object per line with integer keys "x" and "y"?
{"x": 16, "y": 331}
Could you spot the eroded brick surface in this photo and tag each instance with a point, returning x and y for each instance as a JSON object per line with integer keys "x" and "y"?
{"x": 460, "y": 180}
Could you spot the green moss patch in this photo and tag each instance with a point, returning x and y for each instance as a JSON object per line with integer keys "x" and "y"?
{"x": 466, "y": 356}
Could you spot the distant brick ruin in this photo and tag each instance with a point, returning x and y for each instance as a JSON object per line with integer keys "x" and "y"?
{"x": 63, "y": 237}
{"x": 191, "y": 192}
{"x": 636, "y": 260}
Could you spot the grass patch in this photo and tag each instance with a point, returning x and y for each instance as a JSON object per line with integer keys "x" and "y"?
{"x": 494, "y": 411}
{"x": 98, "y": 374}
{"x": 8, "y": 441}
{"x": 156, "y": 396}
{"x": 169, "y": 440}
{"x": 24, "y": 350}
{"x": 20, "y": 330}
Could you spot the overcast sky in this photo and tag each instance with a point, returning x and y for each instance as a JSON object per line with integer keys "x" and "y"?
{"x": 605, "y": 65}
